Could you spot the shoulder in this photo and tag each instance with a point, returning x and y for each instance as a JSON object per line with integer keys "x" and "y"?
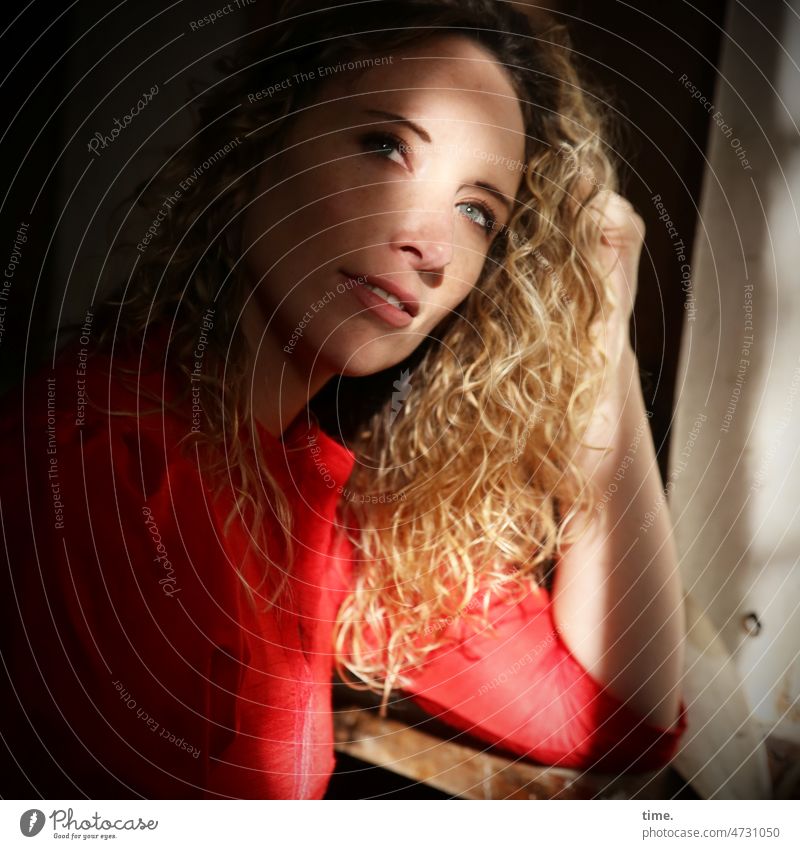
{"x": 122, "y": 401}
{"x": 94, "y": 464}
{"x": 118, "y": 582}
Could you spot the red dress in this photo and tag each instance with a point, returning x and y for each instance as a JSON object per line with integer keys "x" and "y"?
{"x": 136, "y": 666}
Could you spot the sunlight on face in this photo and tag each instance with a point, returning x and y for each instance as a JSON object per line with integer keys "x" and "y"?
{"x": 404, "y": 172}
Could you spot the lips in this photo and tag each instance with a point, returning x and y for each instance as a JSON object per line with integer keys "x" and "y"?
{"x": 409, "y": 302}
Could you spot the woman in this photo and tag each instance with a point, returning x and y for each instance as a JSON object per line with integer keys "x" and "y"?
{"x": 342, "y": 417}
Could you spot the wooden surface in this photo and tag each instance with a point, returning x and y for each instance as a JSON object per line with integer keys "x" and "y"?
{"x": 469, "y": 772}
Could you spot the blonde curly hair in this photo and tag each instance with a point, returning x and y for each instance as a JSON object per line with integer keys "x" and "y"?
{"x": 469, "y": 488}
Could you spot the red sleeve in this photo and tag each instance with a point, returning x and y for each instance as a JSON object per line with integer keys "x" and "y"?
{"x": 122, "y": 683}
{"x": 522, "y": 690}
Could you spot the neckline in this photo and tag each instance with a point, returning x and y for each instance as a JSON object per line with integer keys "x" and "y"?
{"x": 296, "y": 442}
{"x": 299, "y": 426}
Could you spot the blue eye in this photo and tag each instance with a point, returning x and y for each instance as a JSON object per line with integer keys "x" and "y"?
{"x": 385, "y": 144}
{"x": 485, "y": 217}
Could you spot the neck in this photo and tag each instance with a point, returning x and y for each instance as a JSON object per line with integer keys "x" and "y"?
{"x": 281, "y": 383}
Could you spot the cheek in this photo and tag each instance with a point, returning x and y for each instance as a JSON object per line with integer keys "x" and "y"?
{"x": 355, "y": 209}
{"x": 286, "y": 228}
{"x": 443, "y": 302}
{"x": 331, "y": 213}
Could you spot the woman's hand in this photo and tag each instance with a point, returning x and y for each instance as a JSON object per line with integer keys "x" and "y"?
{"x": 618, "y": 252}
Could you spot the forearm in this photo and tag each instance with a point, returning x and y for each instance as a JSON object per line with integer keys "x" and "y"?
{"x": 617, "y": 596}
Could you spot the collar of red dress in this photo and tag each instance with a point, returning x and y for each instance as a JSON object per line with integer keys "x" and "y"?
{"x": 305, "y": 443}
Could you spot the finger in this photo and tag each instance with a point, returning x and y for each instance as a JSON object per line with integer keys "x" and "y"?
{"x": 618, "y": 220}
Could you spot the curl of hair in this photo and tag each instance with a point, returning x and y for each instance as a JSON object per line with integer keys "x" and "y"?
{"x": 476, "y": 474}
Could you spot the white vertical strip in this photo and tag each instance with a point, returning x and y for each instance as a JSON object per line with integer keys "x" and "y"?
{"x": 734, "y": 477}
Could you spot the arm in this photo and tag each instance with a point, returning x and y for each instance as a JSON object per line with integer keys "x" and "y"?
{"x": 615, "y": 608}
{"x": 617, "y": 596}
{"x": 521, "y": 689}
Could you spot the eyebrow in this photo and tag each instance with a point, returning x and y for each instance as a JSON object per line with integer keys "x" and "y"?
{"x": 423, "y": 134}
{"x": 400, "y": 119}
{"x": 493, "y": 190}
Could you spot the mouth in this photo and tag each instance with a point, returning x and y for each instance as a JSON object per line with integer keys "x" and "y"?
{"x": 384, "y": 298}
{"x": 388, "y": 290}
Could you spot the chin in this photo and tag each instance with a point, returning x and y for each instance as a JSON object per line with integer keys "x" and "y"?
{"x": 360, "y": 366}
{"x": 367, "y": 359}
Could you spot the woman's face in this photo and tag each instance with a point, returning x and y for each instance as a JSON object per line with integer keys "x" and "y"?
{"x": 356, "y": 194}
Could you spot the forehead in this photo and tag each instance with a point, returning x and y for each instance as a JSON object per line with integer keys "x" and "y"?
{"x": 442, "y": 79}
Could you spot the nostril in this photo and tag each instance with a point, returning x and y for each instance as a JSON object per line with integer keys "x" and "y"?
{"x": 427, "y": 256}
{"x": 412, "y": 249}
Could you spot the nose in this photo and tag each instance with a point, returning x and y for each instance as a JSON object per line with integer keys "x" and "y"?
{"x": 425, "y": 240}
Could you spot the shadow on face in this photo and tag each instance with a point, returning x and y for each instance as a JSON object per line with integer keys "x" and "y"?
{"x": 404, "y": 171}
